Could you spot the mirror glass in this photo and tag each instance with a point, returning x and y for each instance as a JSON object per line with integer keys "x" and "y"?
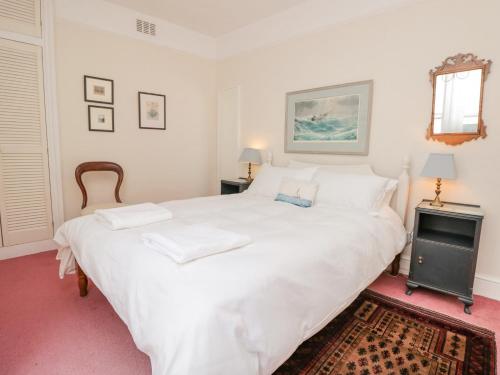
{"x": 457, "y": 102}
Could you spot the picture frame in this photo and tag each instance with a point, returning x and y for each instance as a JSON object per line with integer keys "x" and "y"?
{"x": 329, "y": 120}
{"x": 98, "y": 90}
{"x": 152, "y": 111}
{"x": 101, "y": 119}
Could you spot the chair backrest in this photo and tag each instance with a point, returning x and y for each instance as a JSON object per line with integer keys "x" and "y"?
{"x": 96, "y": 166}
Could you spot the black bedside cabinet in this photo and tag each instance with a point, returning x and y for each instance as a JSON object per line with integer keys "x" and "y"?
{"x": 233, "y": 186}
{"x": 445, "y": 248}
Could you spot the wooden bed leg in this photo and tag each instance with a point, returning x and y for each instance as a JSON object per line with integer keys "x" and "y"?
{"x": 82, "y": 281}
{"x": 395, "y": 265}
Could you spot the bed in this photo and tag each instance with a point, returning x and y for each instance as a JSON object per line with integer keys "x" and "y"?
{"x": 244, "y": 311}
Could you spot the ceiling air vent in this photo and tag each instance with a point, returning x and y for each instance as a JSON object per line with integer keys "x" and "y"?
{"x": 145, "y": 27}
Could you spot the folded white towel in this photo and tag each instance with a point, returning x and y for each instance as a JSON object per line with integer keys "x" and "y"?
{"x": 193, "y": 241}
{"x": 133, "y": 216}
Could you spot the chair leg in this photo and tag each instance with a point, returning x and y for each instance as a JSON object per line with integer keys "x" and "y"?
{"x": 82, "y": 281}
{"x": 395, "y": 265}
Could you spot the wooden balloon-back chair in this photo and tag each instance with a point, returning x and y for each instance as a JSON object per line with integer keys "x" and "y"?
{"x": 95, "y": 166}
{"x": 98, "y": 166}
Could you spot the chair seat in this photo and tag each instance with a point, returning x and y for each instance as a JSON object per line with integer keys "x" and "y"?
{"x": 99, "y": 206}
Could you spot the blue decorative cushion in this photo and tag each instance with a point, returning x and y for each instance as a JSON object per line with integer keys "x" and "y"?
{"x": 293, "y": 200}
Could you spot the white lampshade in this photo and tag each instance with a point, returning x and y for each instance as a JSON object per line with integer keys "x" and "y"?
{"x": 250, "y": 155}
{"x": 440, "y": 166}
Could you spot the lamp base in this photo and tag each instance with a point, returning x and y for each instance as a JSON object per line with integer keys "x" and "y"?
{"x": 249, "y": 177}
{"x": 437, "y": 202}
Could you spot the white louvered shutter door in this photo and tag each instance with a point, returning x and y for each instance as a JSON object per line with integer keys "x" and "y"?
{"x": 25, "y": 208}
{"x": 20, "y": 16}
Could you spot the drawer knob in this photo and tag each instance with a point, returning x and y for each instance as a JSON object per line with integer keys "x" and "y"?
{"x": 420, "y": 259}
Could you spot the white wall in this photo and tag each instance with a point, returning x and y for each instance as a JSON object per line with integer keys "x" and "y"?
{"x": 396, "y": 49}
{"x": 159, "y": 165}
{"x": 228, "y": 133}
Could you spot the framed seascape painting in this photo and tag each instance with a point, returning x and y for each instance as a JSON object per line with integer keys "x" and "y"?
{"x": 151, "y": 111}
{"x": 329, "y": 120}
{"x": 98, "y": 90}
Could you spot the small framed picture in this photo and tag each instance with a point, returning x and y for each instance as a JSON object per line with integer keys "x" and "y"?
{"x": 151, "y": 111}
{"x": 101, "y": 119}
{"x": 98, "y": 90}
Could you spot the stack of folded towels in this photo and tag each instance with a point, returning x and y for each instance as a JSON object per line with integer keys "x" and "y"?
{"x": 191, "y": 242}
{"x": 133, "y": 216}
{"x": 182, "y": 244}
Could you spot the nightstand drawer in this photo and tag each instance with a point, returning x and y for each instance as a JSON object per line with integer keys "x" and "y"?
{"x": 442, "y": 266}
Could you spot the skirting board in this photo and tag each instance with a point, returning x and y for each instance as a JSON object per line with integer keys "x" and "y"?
{"x": 484, "y": 285}
{"x": 26, "y": 249}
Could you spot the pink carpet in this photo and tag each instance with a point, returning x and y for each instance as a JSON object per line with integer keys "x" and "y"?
{"x": 46, "y": 328}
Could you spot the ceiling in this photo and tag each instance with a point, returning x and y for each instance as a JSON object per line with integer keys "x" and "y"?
{"x": 210, "y": 17}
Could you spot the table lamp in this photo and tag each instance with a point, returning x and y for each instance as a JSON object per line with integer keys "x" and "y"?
{"x": 250, "y": 156}
{"x": 439, "y": 166}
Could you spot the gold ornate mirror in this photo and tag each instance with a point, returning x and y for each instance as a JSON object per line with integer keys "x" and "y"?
{"x": 457, "y": 99}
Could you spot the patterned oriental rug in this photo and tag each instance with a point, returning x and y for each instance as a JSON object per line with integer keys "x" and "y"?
{"x": 381, "y": 335}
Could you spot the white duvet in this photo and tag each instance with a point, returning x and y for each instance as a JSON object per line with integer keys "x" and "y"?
{"x": 243, "y": 311}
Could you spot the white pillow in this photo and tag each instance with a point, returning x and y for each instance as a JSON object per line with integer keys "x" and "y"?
{"x": 345, "y": 169}
{"x": 268, "y": 180}
{"x": 362, "y": 192}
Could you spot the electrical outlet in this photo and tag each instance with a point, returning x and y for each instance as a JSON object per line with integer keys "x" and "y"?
{"x": 409, "y": 237}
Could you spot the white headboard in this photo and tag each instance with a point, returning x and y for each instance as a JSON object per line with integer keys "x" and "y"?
{"x": 403, "y": 192}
